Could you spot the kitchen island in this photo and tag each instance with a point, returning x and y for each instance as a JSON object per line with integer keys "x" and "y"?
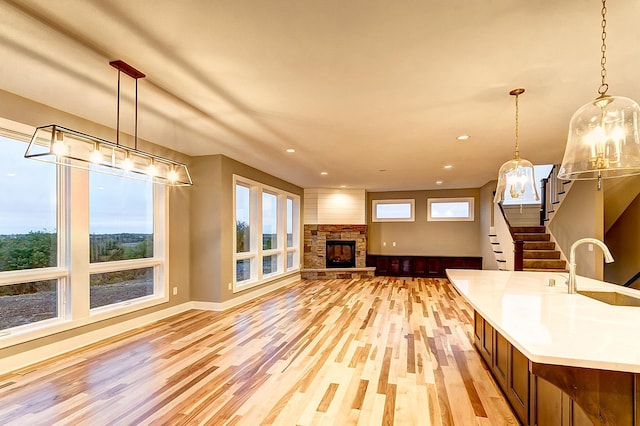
{"x": 561, "y": 359}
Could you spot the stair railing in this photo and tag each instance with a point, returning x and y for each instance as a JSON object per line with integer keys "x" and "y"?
{"x": 518, "y": 246}
{"x": 632, "y": 280}
{"x": 553, "y": 189}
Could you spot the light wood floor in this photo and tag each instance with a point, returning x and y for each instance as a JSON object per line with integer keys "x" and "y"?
{"x": 381, "y": 351}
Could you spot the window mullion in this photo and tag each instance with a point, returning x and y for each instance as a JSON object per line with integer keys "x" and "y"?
{"x": 256, "y": 217}
{"x": 77, "y": 204}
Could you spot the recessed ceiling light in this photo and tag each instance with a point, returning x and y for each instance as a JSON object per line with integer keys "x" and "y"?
{"x": 382, "y": 170}
{"x": 343, "y": 186}
{"x": 324, "y": 173}
{"x": 438, "y": 182}
{"x": 463, "y": 137}
{"x": 291, "y": 150}
{"x": 448, "y": 166}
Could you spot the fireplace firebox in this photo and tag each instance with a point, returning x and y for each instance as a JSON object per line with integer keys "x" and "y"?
{"x": 341, "y": 254}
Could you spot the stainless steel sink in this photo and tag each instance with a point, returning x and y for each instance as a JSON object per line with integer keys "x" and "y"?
{"x": 612, "y": 298}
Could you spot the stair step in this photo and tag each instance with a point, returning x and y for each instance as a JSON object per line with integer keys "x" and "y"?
{"x": 541, "y": 254}
{"x": 528, "y": 229}
{"x": 539, "y": 245}
{"x": 531, "y": 237}
{"x": 544, "y": 264}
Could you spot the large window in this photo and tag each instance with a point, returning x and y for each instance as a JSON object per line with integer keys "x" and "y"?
{"x": 293, "y": 223}
{"x": 121, "y": 223}
{"x": 30, "y": 282}
{"x": 75, "y": 246}
{"x": 267, "y": 221}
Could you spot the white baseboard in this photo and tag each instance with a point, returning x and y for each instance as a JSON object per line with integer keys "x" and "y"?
{"x": 245, "y": 297}
{"x": 41, "y": 353}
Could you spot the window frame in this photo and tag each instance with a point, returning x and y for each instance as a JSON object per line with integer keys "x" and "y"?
{"x": 257, "y": 253}
{"x": 469, "y": 200}
{"x": 74, "y": 268}
{"x": 410, "y": 201}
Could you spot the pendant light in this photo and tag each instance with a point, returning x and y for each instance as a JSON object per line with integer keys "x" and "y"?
{"x": 603, "y": 137}
{"x": 516, "y": 175}
{"x": 60, "y": 145}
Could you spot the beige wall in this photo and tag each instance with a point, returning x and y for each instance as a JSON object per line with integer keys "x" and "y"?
{"x": 422, "y": 237}
{"x": 486, "y": 222}
{"x": 623, "y": 240}
{"x": 212, "y": 228}
{"x": 581, "y": 216}
{"x": 22, "y": 110}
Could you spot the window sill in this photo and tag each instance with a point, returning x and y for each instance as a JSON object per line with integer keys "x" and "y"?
{"x": 28, "y": 332}
{"x": 238, "y": 288}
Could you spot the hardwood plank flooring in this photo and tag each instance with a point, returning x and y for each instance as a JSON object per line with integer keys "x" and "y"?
{"x": 380, "y": 351}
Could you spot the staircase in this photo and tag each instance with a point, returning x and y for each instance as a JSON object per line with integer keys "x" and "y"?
{"x": 540, "y": 252}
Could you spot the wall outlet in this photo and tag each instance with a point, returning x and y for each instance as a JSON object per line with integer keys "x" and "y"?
{"x": 394, "y": 243}
{"x": 229, "y": 286}
{"x": 384, "y": 244}
{"x": 175, "y": 291}
{"x": 590, "y": 247}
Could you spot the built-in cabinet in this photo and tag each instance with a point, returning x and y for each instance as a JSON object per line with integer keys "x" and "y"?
{"x": 507, "y": 364}
{"x": 420, "y": 266}
{"x": 556, "y": 395}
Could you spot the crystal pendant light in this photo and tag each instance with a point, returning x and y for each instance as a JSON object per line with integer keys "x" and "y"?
{"x": 516, "y": 175}
{"x": 603, "y": 137}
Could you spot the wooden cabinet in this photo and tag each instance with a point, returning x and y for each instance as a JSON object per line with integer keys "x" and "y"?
{"x": 507, "y": 364}
{"x": 556, "y": 408}
{"x": 518, "y": 377}
{"x": 420, "y": 266}
{"x": 556, "y": 395}
{"x": 381, "y": 264}
{"x": 500, "y": 360}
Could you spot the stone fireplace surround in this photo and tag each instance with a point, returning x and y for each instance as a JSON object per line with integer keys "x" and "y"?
{"x": 315, "y": 243}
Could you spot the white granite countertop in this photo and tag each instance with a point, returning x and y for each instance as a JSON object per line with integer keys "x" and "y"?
{"x": 550, "y": 326}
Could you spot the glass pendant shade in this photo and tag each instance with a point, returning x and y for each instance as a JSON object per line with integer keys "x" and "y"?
{"x": 59, "y": 145}
{"x": 518, "y": 177}
{"x": 604, "y": 140}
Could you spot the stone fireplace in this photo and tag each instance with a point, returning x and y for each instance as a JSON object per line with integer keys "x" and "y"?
{"x": 333, "y": 239}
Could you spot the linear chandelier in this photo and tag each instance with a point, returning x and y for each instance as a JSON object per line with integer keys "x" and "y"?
{"x": 57, "y": 144}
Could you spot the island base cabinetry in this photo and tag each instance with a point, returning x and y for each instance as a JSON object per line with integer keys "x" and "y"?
{"x": 556, "y": 395}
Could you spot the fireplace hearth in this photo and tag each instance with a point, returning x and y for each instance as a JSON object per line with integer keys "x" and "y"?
{"x": 341, "y": 254}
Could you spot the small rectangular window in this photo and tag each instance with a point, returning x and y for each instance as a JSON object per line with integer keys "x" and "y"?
{"x": 393, "y": 211}
{"x": 450, "y": 209}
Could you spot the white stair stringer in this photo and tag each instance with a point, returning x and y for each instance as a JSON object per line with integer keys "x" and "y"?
{"x": 497, "y": 250}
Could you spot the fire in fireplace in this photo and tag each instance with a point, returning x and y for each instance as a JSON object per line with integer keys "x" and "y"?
{"x": 341, "y": 254}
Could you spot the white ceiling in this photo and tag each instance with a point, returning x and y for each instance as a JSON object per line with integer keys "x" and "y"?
{"x": 356, "y": 87}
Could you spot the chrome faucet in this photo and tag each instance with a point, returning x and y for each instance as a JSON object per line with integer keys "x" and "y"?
{"x": 572, "y": 260}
